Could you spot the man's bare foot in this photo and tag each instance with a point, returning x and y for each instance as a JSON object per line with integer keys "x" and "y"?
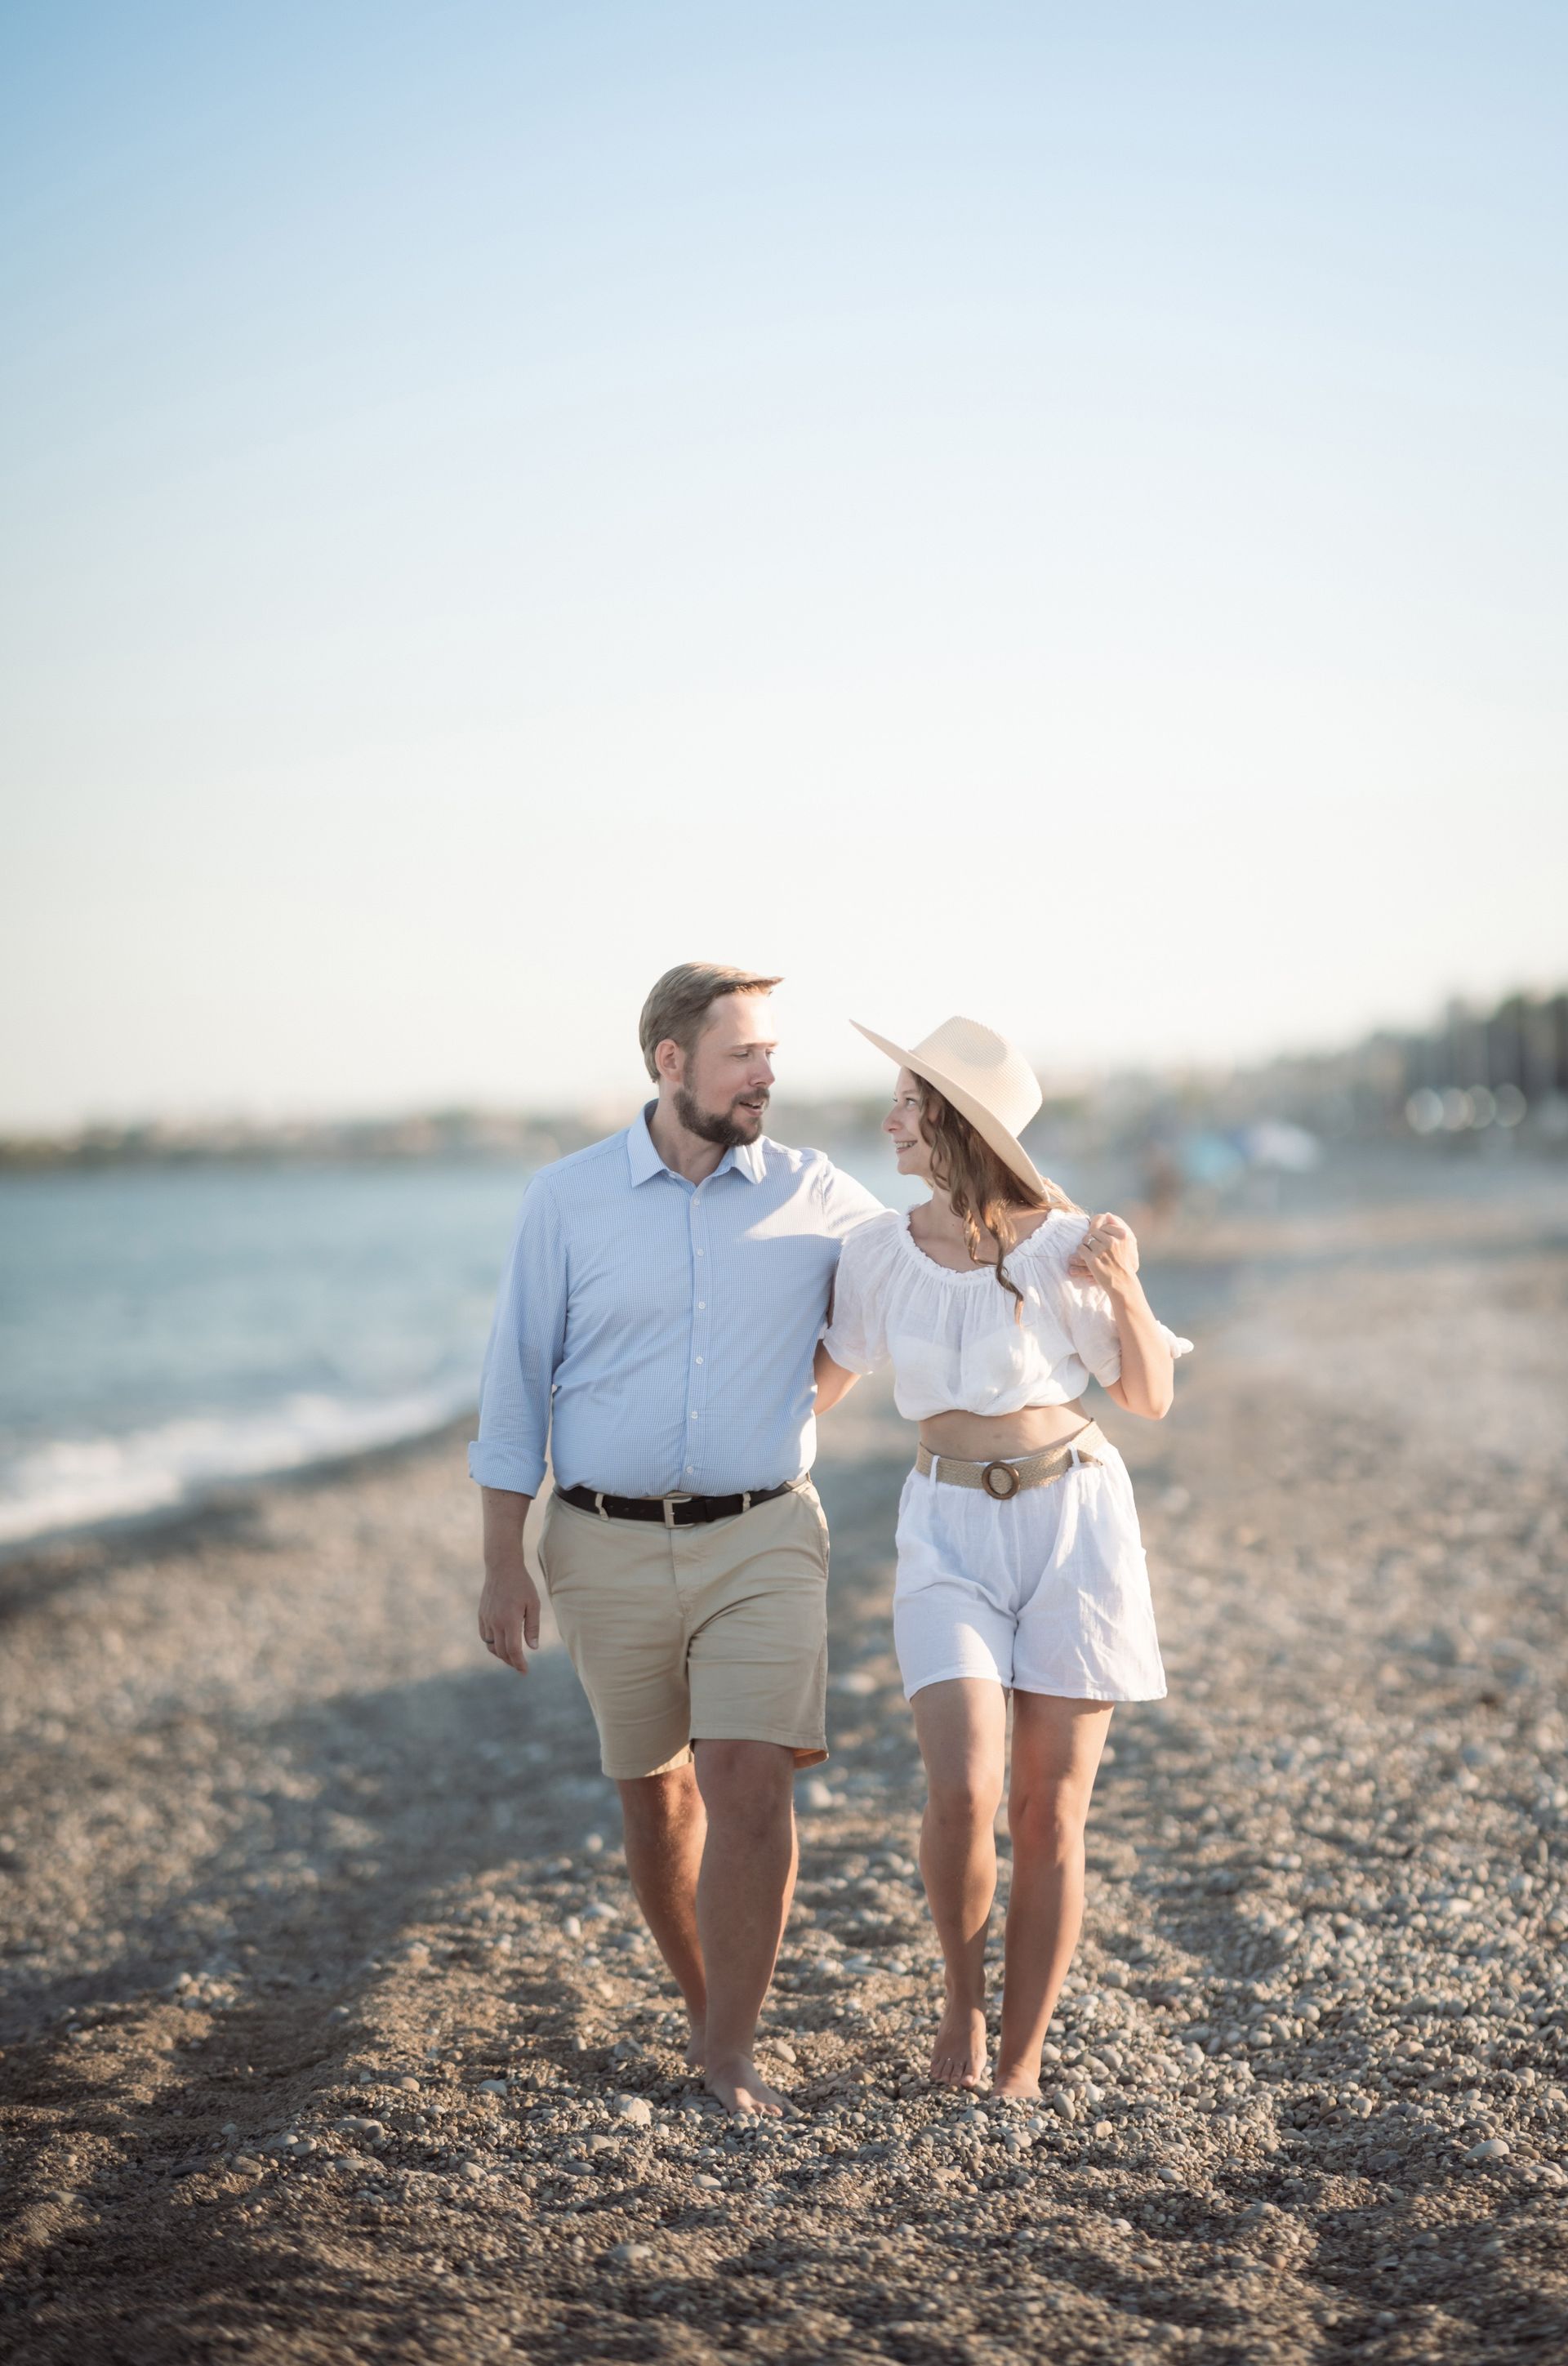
{"x": 696, "y": 2048}
{"x": 742, "y": 2089}
{"x": 959, "y": 2055}
{"x": 1021, "y": 2085}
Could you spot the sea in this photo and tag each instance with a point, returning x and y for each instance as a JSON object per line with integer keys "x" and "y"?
{"x": 165, "y": 1330}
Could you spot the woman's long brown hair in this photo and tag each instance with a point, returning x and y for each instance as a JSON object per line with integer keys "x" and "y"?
{"x": 984, "y": 1193}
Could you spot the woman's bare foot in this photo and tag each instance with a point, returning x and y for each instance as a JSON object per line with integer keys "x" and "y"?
{"x": 960, "y": 2053}
{"x": 742, "y": 2089}
{"x": 696, "y": 2048}
{"x": 1023, "y": 2085}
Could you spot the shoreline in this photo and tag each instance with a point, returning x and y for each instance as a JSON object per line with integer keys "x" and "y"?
{"x": 223, "y": 1498}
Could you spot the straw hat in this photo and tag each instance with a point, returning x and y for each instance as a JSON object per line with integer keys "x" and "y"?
{"x": 984, "y": 1077}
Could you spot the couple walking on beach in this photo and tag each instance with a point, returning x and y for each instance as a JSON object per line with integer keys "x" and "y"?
{"x": 680, "y": 1301}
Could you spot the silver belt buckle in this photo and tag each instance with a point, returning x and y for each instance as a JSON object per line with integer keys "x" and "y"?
{"x": 668, "y": 1500}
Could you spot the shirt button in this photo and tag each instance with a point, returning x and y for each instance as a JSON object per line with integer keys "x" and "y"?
{"x": 699, "y": 1359}
{"x": 699, "y": 1251}
{"x": 702, "y": 1306}
{"x": 694, "y": 1416}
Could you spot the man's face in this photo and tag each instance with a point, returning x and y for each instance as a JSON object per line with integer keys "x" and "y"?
{"x": 721, "y": 1094}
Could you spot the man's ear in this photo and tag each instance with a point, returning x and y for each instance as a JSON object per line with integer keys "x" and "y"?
{"x": 669, "y": 1060}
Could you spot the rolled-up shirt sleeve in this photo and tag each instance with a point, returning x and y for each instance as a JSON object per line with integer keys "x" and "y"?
{"x": 526, "y": 1341}
{"x": 1097, "y": 1342}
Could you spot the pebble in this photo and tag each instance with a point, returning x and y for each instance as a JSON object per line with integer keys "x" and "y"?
{"x": 1492, "y": 2148}
{"x": 636, "y": 2108}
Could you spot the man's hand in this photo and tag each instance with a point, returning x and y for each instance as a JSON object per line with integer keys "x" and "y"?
{"x": 509, "y": 1613}
{"x": 509, "y": 1606}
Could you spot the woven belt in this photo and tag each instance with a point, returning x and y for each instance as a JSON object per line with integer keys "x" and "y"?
{"x": 1002, "y": 1480}
{"x": 673, "y": 1511}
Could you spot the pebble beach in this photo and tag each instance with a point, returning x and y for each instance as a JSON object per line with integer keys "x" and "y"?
{"x": 328, "y": 2029}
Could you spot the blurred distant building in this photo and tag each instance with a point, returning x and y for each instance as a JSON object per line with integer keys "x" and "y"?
{"x": 1481, "y": 1077}
{"x": 1494, "y": 1079}
{"x": 1476, "y": 1070}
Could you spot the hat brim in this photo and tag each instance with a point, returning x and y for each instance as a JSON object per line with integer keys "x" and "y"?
{"x": 990, "y": 1128}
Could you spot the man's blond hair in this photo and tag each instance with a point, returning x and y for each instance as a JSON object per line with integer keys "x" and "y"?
{"x": 677, "y": 1010}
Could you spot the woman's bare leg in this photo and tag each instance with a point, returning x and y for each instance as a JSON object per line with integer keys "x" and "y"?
{"x": 962, "y": 1725}
{"x": 1055, "y": 1756}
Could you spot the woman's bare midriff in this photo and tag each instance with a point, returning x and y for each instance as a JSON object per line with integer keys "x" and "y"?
{"x": 1002, "y": 1437}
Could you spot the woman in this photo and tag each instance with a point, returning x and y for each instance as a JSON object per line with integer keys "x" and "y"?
{"x": 1020, "y": 1563}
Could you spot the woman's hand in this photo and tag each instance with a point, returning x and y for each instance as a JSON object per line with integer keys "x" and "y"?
{"x": 1107, "y": 1254}
{"x": 1108, "y": 1257}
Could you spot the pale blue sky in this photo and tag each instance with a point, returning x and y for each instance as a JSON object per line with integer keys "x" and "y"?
{"x": 1047, "y": 512}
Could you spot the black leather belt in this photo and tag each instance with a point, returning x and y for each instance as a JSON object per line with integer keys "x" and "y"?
{"x": 673, "y": 1511}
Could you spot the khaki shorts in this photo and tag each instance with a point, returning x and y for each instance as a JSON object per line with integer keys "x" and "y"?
{"x": 699, "y": 1634}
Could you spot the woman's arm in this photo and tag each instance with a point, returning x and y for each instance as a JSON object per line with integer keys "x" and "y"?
{"x": 833, "y": 1381}
{"x": 1109, "y": 1256}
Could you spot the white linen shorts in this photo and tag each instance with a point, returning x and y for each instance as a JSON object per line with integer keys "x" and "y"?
{"x": 1047, "y": 1593}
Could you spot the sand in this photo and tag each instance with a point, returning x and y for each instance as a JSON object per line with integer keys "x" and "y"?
{"x": 329, "y": 2032}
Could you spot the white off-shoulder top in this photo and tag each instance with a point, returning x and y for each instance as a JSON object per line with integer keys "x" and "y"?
{"x": 951, "y": 1337}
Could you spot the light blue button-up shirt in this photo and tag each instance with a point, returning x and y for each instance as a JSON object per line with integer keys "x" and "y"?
{"x": 659, "y": 1334}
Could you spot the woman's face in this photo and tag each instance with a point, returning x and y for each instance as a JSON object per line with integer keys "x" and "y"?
{"x": 903, "y": 1124}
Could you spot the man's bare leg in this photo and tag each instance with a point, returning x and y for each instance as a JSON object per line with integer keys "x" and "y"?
{"x": 664, "y": 1825}
{"x": 743, "y": 1899}
{"x": 962, "y": 1727}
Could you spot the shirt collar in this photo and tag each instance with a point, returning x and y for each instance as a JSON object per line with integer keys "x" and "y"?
{"x": 644, "y": 1159}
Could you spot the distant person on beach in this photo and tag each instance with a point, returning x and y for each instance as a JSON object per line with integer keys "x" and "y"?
{"x": 1020, "y": 1563}
{"x": 657, "y": 1322}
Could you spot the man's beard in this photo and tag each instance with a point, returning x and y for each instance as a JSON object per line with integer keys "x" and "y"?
{"x": 724, "y": 1130}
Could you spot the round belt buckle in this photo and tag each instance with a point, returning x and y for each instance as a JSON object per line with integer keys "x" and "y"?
{"x": 1000, "y": 1480}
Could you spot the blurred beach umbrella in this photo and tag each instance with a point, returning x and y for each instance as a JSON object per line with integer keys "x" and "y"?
{"x": 1288, "y": 1149}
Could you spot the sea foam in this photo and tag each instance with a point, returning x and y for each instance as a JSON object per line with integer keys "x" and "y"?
{"x": 72, "y": 1483}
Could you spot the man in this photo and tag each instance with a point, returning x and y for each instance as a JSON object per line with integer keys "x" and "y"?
{"x": 658, "y": 1319}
